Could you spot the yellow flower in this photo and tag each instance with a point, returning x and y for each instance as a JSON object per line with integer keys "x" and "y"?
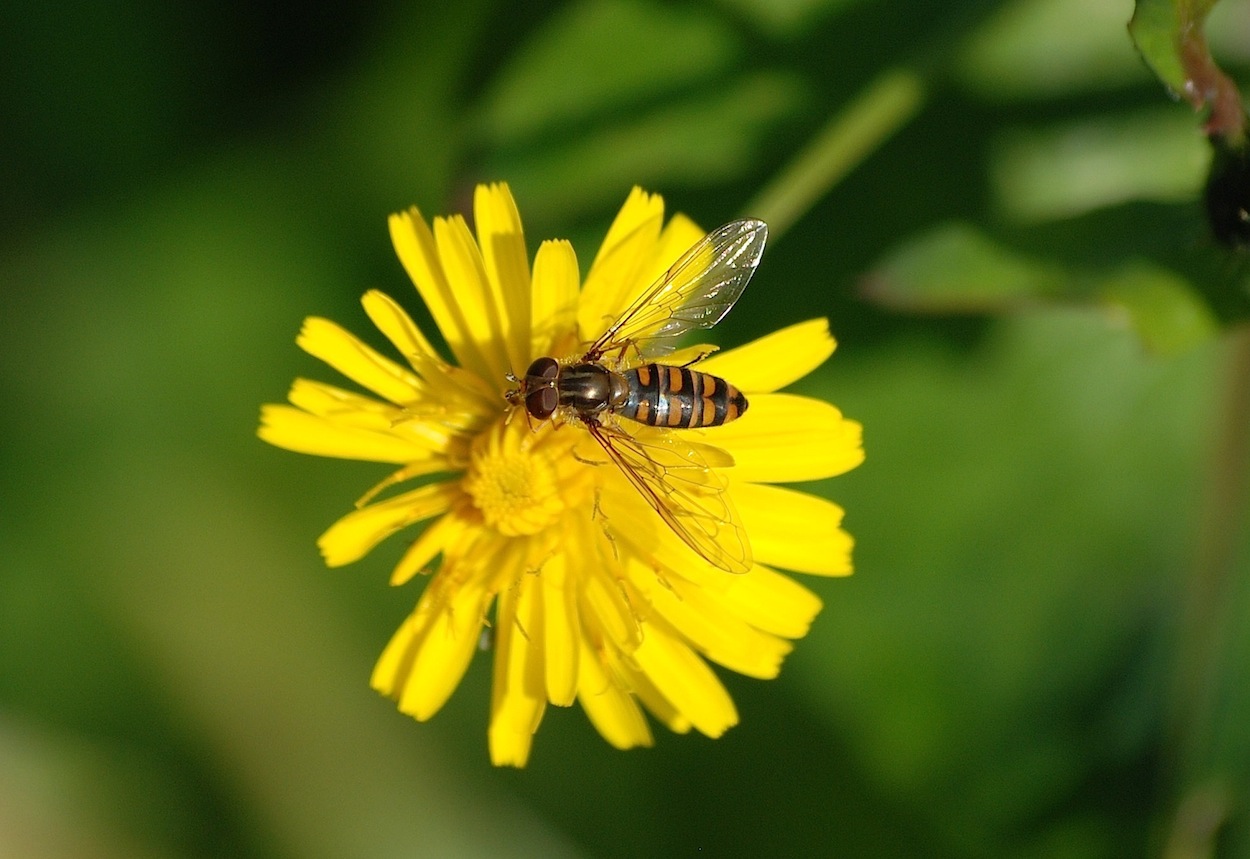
{"x": 610, "y": 609}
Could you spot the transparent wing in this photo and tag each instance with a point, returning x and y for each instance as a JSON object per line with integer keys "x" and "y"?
{"x": 674, "y": 477}
{"x": 696, "y": 291}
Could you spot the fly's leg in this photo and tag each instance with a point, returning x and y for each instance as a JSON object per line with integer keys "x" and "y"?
{"x": 697, "y": 358}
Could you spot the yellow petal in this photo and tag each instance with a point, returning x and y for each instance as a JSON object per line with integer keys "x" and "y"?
{"x": 393, "y": 321}
{"x": 392, "y": 666}
{"x": 685, "y": 680}
{"x": 784, "y": 438}
{"x": 502, "y": 241}
{"x": 326, "y": 340}
{"x": 299, "y": 431}
{"x": 484, "y": 316}
{"x": 602, "y": 604}
{"x": 439, "y": 534}
{"x": 708, "y": 625}
{"x": 451, "y": 396}
{"x": 624, "y": 260}
{"x": 341, "y": 405}
{"x": 561, "y": 647}
{"x": 349, "y": 409}
{"x": 610, "y": 708}
{"x": 775, "y": 360}
{"x": 794, "y": 530}
{"x": 605, "y": 609}
{"x": 770, "y": 602}
{"x": 424, "y": 661}
{"x": 517, "y": 694}
{"x": 636, "y": 680}
{"x": 351, "y": 538}
{"x": 554, "y": 298}
{"x": 443, "y": 650}
{"x": 415, "y": 247}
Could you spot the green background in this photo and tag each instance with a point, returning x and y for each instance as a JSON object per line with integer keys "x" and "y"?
{"x": 1043, "y": 649}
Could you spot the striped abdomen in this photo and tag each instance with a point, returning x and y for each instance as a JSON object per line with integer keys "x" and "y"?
{"x": 665, "y": 396}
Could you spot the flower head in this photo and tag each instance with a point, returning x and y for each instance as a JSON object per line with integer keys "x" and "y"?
{"x": 531, "y": 528}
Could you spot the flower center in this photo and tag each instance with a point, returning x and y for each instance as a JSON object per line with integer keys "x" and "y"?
{"x": 514, "y": 480}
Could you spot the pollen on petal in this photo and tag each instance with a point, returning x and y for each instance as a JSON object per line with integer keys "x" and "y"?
{"x": 514, "y": 482}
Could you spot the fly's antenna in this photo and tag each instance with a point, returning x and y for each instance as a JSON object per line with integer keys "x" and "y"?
{"x": 513, "y": 395}
{"x": 515, "y": 398}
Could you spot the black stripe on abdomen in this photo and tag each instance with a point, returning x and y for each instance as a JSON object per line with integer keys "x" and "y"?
{"x": 680, "y": 398}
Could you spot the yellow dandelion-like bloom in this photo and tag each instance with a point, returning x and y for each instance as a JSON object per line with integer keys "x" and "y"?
{"x": 532, "y": 530}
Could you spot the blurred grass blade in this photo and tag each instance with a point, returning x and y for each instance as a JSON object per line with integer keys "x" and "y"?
{"x": 853, "y": 134}
{"x": 956, "y": 268}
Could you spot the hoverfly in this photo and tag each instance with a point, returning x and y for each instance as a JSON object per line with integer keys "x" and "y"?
{"x": 617, "y": 378}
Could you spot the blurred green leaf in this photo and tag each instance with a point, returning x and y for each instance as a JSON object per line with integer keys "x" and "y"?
{"x": 956, "y": 268}
{"x": 1171, "y": 37}
{"x": 788, "y": 18}
{"x": 1155, "y": 28}
{"x": 595, "y": 57}
{"x": 699, "y": 140}
{"x": 613, "y": 93}
{"x": 1062, "y": 170}
{"x": 1032, "y": 49}
{"x": 1161, "y": 29}
{"x": 1160, "y": 306}
{"x": 987, "y": 657}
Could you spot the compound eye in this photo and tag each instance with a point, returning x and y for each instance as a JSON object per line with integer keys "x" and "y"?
{"x": 543, "y": 370}
{"x": 541, "y": 404}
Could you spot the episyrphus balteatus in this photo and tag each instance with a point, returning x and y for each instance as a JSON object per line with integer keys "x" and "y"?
{"x": 617, "y": 377}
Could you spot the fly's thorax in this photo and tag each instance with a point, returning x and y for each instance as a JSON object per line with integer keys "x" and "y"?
{"x": 590, "y": 388}
{"x": 678, "y": 397}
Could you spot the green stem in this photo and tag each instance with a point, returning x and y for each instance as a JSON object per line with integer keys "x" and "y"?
{"x": 850, "y": 136}
{"x": 1201, "y": 796}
